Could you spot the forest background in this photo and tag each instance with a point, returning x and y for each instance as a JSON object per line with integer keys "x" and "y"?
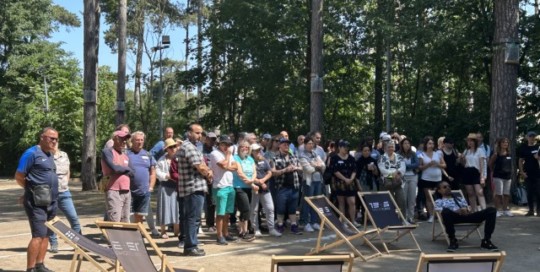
{"x": 248, "y": 69}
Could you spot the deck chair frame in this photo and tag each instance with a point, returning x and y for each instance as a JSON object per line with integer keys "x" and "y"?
{"x": 165, "y": 265}
{"x": 341, "y": 238}
{"x": 466, "y": 228}
{"x": 80, "y": 253}
{"x": 344, "y": 259}
{"x": 497, "y": 260}
{"x": 400, "y": 230}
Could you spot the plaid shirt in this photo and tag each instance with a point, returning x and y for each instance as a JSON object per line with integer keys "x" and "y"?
{"x": 189, "y": 179}
{"x": 281, "y": 161}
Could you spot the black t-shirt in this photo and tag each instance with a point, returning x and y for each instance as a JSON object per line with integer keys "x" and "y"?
{"x": 346, "y": 167}
{"x": 503, "y": 167}
{"x": 451, "y": 164}
{"x": 530, "y": 166}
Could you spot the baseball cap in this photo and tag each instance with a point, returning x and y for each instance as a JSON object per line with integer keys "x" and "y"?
{"x": 385, "y": 137}
{"x": 531, "y": 134}
{"x": 284, "y": 140}
{"x": 448, "y": 140}
{"x": 267, "y": 136}
{"x": 121, "y": 134}
{"x": 255, "y": 146}
{"x": 211, "y": 135}
{"x": 344, "y": 143}
{"x": 225, "y": 139}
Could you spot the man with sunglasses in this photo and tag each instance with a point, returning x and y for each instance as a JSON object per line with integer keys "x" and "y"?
{"x": 455, "y": 210}
{"x": 36, "y": 173}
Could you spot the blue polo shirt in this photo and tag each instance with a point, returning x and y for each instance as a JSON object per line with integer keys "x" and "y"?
{"x": 39, "y": 169}
{"x": 140, "y": 163}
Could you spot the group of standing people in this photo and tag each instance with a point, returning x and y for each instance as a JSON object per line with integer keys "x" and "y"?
{"x": 237, "y": 176}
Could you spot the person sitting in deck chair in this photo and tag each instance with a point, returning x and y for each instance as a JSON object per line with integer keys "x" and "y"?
{"x": 456, "y": 210}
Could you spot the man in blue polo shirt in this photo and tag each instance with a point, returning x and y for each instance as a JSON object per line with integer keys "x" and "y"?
{"x": 36, "y": 173}
{"x": 144, "y": 177}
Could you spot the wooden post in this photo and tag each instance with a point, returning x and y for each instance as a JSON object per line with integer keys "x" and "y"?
{"x": 316, "y": 84}
{"x": 121, "y": 76}
{"x": 90, "y": 78}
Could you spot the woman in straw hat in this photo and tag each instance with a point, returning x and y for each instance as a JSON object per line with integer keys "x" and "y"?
{"x": 167, "y": 205}
{"x": 473, "y": 177}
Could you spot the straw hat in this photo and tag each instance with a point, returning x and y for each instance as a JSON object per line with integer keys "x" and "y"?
{"x": 471, "y": 136}
{"x": 169, "y": 142}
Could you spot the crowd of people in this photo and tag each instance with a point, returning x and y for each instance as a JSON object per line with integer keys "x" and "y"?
{"x": 229, "y": 175}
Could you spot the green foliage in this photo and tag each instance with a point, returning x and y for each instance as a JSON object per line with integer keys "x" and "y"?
{"x": 22, "y": 101}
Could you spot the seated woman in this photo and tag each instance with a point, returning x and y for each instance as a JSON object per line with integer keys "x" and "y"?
{"x": 455, "y": 210}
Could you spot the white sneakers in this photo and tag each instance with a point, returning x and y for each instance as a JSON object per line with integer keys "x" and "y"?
{"x": 258, "y": 233}
{"x": 308, "y": 228}
{"x": 316, "y": 226}
{"x": 430, "y": 220}
{"x": 273, "y": 232}
{"x": 505, "y": 213}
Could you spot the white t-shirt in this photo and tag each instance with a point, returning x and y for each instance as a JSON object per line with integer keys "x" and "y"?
{"x": 473, "y": 159}
{"x": 222, "y": 178}
{"x": 432, "y": 173}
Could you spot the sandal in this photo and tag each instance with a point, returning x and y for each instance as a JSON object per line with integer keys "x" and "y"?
{"x": 164, "y": 236}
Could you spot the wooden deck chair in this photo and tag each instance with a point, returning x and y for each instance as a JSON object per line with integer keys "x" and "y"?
{"x": 384, "y": 214}
{"x": 84, "y": 247}
{"x": 477, "y": 262}
{"x": 345, "y": 231}
{"x": 127, "y": 242}
{"x": 463, "y": 230}
{"x": 321, "y": 263}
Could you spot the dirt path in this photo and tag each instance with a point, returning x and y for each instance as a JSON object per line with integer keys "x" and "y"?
{"x": 518, "y": 236}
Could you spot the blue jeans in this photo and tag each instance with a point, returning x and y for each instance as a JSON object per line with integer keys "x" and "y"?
{"x": 192, "y": 207}
{"x": 307, "y": 214}
{"x": 65, "y": 204}
{"x": 287, "y": 199}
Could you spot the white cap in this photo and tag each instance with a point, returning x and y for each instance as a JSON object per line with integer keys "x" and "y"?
{"x": 255, "y": 146}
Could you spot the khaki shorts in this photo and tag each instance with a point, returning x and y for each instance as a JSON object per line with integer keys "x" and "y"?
{"x": 118, "y": 205}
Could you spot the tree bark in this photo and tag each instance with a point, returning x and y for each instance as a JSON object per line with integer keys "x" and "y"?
{"x": 504, "y": 75}
{"x": 139, "y": 54}
{"x": 90, "y": 82}
{"x": 121, "y": 76}
{"x": 379, "y": 66}
{"x": 316, "y": 112}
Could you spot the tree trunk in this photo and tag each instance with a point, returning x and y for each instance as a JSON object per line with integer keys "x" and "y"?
{"x": 199, "y": 57}
{"x": 139, "y": 55}
{"x": 379, "y": 49}
{"x": 121, "y": 76}
{"x": 186, "y": 40}
{"x": 316, "y": 112}
{"x": 504, "y": 75}
{"x": 91, "y": 48}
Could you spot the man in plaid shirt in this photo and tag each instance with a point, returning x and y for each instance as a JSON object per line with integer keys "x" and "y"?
{"x": 192, "y": 175}
{"x": 286, "y": 171}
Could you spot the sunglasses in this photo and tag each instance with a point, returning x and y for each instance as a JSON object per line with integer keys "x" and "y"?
{"x": 445, "y": 187}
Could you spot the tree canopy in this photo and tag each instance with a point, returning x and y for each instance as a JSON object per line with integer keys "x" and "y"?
{"x": 255, "y": 71}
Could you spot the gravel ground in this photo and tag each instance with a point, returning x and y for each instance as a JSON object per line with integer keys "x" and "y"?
{"x": 515, "y": 235}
